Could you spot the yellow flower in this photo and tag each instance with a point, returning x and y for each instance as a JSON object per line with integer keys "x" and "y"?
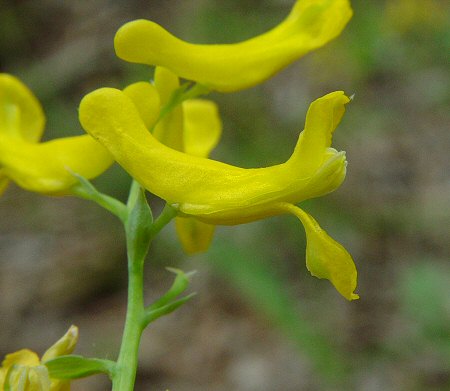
{"x": 41, "y": 167}
{"x": 218, "y": 193}
{"x": 193, "y": 127}
{"x": 24, "y": 371}
{"x": 310, "y": 25}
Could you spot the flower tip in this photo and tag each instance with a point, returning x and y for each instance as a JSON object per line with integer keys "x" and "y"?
{"x": 65, "y": 345}
{"x": 100, "y": 92}
{"x": 73, "y": 332}
{"x": 337, "y": 98}
{"x": 127, "y": 44}
{"x": 97, "y": 107}
{"x": 177, "y": 271}
{"x": 174, "y": 270}
{"x": 118, "y": 38}
{"x": 353, "y": 296}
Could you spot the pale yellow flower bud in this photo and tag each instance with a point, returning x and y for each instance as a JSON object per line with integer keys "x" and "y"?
{"x": 24, "y": 371}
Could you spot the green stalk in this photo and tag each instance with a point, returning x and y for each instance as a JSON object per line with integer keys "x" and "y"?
{"x": 167, "y": 214}
{"x": 139, "y": 230}
{"x": 138, "y": 223}
{"x": 126, "y": 367}
{"x": 184, "y": 92}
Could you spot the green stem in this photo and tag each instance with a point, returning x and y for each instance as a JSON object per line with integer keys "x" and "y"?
{"x": 84, "y": 189}
{"x": 137, "y": 317}
{"x": 167, "y": 214}
{"x": 180, "y": 95}
{"x": 127, "y": 362}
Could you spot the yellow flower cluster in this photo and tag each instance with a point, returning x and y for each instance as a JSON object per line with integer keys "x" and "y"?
{"x": 167, "y": 151}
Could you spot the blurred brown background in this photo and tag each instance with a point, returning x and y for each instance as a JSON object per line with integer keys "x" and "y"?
{"x": 259, "y": 322}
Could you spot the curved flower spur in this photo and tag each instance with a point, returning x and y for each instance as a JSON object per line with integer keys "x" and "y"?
{"x": 218, "y": 193}
{"x": 226, "y": 68}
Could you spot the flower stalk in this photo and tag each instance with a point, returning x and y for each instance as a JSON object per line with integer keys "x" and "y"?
{"x": 140, "y": 229}
{"x": 127, "y": 361}
{"x": 137, "y": 227}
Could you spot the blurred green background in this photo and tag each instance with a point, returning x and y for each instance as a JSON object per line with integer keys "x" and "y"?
{"x": 260, "y": 322}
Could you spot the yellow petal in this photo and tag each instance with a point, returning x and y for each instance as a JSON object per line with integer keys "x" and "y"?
{"x": 48, "y": 167}
{"x": 169, "y": 130}
{"x": 24, "y": 378}
{"x": 326, "y": 258}
{"x": 323, "y": 116}
{"x": 146, "y": 98}
{"x": 310, "y": 25}
{"x": 202, "y": 130}
{"x": 21, "y": 114}
{"x": 2, "y": 378}
{"x": 212, "y": 191}
{"x": 198, "y": 135}
{"x": 195, "y": 236}
{"x": 24, "y": 357}
{"x": 202, "y": 127}
{"x": 38, "y": 379}
{"x": 166, "y": 82}
{"x": 65, "y": 345}
{"x": 17, "y": 378}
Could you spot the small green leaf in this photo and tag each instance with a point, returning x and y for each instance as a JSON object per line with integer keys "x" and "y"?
{"x": 139, "y": 223}
{"x": 86, "y": 190}
{"x": 152, "y": 315}
{"x": 168, "y": 303}
{"x": 179, "y": 285}
{"x": 167, "y": 214}
{"x": 75, "y": 367}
